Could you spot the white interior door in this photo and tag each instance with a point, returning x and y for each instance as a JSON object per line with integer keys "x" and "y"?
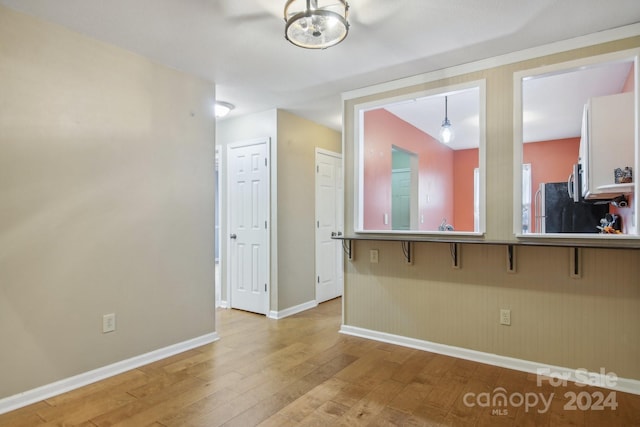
{"x": 248, "y": 197}
{"x": 329, "y": 221}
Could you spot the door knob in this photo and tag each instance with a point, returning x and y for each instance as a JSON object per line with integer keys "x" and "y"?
{"x": 233, "y": 236}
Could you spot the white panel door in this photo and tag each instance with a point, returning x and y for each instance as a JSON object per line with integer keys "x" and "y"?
{"x": 329, "y": 222}
{"x": 248, "y": 196}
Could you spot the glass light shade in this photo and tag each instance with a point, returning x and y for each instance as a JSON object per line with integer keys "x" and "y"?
{"x": 221, "y": 109}
{"x": 316, "y": 24}
{"x": 446, "y": 132}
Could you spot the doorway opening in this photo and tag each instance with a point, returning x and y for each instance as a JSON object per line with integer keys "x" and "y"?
{"x": 404, "y": 189}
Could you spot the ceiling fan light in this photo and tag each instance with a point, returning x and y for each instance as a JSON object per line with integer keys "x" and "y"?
{"x": 313, "y": 25}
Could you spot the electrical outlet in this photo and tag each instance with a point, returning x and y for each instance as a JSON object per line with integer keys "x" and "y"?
{"x": 373, "y": 256}
{"x": 505, "y": 317}
{"x": 108, "y": 323}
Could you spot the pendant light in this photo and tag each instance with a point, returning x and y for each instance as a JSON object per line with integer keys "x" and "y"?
{"x": 446, "y": 131}
{"x": 316, "y": 24}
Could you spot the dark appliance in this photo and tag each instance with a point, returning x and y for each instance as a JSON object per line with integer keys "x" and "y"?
{"x": 557, "y": 212}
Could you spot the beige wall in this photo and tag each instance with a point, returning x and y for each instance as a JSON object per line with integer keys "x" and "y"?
{"x": 297, "y": 141}
{"x": 590, "y": 323}
{"x": 106, "y": 182}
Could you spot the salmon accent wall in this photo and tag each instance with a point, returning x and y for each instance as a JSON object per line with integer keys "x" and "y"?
{"x": 464, "y": 162}
{"x": 551, "y": 161}
{"x": 445, "y": 177}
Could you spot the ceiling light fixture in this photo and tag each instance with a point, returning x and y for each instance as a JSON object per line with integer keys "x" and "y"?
{"x": 446, "y": 131}
{"x": 222, "y": 108}
{"x": 316, "y": 24}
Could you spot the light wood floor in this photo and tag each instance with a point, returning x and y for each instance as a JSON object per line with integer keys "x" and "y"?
{"x": 301, "y": 371}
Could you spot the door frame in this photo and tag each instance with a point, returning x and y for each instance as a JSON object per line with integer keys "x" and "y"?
{"x": 227, "y": 198}
{"x": 218, "y": 227}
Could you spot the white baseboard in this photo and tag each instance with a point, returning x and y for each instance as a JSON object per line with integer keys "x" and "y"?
{"x": 572, "y": 375}
{"x": 293, "y": 310}
{"x": 49, "y": 390}
{"x": 222, "y": 304}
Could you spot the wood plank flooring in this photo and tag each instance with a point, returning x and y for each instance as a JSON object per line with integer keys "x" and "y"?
{"x": 300, "y": 371}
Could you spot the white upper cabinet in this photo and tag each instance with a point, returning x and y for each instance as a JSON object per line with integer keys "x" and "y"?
{"x": 607, "y": 145}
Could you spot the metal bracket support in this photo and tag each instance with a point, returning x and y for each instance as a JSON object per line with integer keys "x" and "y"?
{"x": 407, "y": 251}
{"x": 455, "y": 255}
{"x": 511, "y": 259}
{"x": 347, "y": 247}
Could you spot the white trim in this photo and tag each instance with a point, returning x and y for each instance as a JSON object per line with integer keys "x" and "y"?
{"x": 328, "y": 153}
{"x": 273, "y": 219}
{"x": 506, "y": 59}
{"x": 622, "y": 384}
{"x": 293, "y": 310}
{"x": 71, "y": 383}
{"x": 223, "y": 304}
{"x": 358, "y": 150}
